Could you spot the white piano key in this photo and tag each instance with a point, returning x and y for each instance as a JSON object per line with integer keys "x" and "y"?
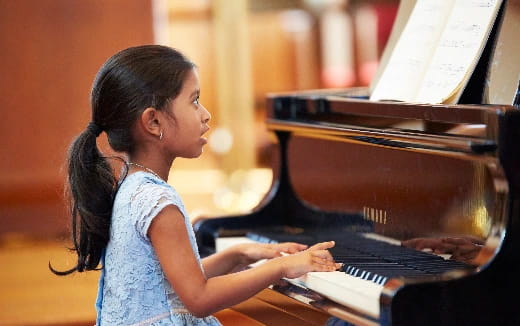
{"x": 345, "y": 289}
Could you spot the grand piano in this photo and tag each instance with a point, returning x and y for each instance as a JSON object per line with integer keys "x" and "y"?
{"x": 422, "y": 200}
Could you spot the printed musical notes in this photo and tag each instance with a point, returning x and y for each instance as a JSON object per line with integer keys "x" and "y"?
{"x": 437, "y": 51}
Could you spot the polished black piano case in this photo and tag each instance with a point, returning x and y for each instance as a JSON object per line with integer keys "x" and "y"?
{"x": 391, "y": 182}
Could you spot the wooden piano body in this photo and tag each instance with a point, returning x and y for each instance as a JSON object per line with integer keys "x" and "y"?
{"x": 397, "y": 175}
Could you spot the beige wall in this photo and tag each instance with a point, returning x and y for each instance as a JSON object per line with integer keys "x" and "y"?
{"x": 50, "y": 52}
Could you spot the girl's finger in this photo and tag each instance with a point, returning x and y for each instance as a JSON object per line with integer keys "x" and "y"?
{"x": 291, "y": 247}
{"x": 323, "y": 254}
{"x": 323, "y": 245}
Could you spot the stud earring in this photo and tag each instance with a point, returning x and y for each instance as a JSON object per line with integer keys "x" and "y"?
{"x": 160, "y": 136}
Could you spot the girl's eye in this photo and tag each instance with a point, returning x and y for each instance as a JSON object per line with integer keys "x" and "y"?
{"x": 196, "y": 100}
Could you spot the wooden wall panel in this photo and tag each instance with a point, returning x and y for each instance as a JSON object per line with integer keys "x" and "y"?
{"x": 50, "y": 52}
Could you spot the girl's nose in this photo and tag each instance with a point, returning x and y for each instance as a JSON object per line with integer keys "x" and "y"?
{"x": 206, "y": 115}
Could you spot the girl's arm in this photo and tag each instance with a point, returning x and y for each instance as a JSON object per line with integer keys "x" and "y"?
{"x": 203, "y": 296}
{"x": 236, "y": 257}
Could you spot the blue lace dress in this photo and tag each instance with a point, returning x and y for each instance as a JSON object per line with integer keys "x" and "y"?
{"x": 132, "y": 288}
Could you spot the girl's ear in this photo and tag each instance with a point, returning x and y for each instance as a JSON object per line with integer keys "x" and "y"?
{"x": 151, "y": 121}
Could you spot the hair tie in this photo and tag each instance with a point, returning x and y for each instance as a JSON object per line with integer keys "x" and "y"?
{"x": 94, "y": 128}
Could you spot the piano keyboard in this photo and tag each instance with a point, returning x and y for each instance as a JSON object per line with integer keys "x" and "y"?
{"x": 367, "y": 257}
{"x": 344, "y": 289}
{"x": 341, "y": 287}
{"x": 368, "y": 263}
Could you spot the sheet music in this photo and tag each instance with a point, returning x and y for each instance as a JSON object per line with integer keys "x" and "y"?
{"x": 457, "y": 54}
{"x": 438, "y": 48}
{"x": 403, "y": 14}
{"x": 412, "y": 53}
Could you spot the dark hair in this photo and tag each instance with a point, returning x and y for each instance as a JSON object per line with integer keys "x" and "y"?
{"x": 127, "y": 83}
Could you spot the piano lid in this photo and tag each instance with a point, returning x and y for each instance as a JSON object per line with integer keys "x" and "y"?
{"x": 502, "y": 82}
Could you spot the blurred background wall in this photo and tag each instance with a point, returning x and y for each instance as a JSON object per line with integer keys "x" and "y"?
{"x": 50, "y": 53}
{"x": 244, "y": 49}
{"x": 51, "y": 50}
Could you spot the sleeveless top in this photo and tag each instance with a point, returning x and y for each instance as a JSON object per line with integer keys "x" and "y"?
{"x": 133, "y": 289}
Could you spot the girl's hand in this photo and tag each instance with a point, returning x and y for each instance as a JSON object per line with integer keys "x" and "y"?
{"x": 315, "y": 259}
{"x": 253, "y": 252}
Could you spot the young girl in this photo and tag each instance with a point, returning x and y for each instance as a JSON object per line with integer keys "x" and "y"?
{"x": 146, "y": 99}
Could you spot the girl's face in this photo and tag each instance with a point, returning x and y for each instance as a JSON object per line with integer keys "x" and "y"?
{"x": 185, "y": 131}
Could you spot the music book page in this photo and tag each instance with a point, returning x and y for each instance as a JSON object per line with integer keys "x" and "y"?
{"x": 403, "y": 14}
{"x": 437, "y": 51}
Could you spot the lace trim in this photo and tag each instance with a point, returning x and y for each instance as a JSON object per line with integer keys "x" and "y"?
{"x": 161, "y": 316}
{"x": 180, "y": 310}
{"x": 151, "y": 320}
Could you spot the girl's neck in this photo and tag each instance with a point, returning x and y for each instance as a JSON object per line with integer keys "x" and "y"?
{"x": 142, "y": 167}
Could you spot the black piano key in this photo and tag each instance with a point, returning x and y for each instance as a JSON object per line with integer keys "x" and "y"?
{"x": 367, "y": 258}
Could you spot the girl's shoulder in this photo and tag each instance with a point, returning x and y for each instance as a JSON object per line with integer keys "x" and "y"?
{"x": 141, "y": 183}
{"x": 143, "y": 189}
{"x": 140, "y": 198}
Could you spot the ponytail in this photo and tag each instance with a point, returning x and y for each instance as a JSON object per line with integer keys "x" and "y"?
{"x": 127, "y": 83}
{"x": 91, "y": 191}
